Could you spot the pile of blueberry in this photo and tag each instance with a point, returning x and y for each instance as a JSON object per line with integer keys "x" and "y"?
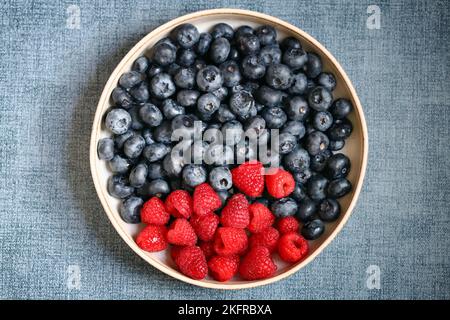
{"x": 233, "y": 81}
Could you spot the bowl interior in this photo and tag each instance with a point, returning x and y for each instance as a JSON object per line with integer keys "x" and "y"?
{"x": 355, "y": 148}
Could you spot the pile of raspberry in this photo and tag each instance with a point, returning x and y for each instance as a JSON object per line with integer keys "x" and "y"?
{"x": 237, "y": 238}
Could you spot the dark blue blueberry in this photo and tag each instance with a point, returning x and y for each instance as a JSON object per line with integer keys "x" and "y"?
{"x": 279, "y": 76}
{"x": 322, "y": 120}
{"x": 275, "y": 117}
{"x": 329, "y": 210}
{"x": 266, "y": 35}
{"x": 341, "y": 108}
{"x": 309, "y": 127}
{"x": 299, "y": 193}
{"x": 140, "y": 92}
{"x": 270, "y": 54}
{"x": 256, "y": 124}
{"x": 162, "y": 86}
{"x": 121, "y": 98}
{"x": 164, "y": 54}
{"x": 251, "y": 113}
{"x": 232, "y": 132}
{"x": 136, "y": 121}
{"x": 234, "y": 54}
{"x": 340, "y": 130}
{"x": 120, "y": 139}
{"x": 209, "y": 78}
{"x": 130, "y": 210}
{"x": 187, "y": 98}
{"x": 287, "y": 142}
{"x": 248, "y": 43}
{"x": 220, "y": 178}
{"x": 307, "y": 208}
{"x": 193, "y": 175}
{"x": 221, "y": 93}
{"x": 203, "y": 43}
{"x": 151, "y": 115}
{"x": 222, "y": 30}
{"x": 171, "y": 109}
{"x": 141, "y": 64}
{"x": 207, "y": 104}
{"x": 186, "y": 35}
{"x": 296, "y": 128}
{"x": 166, "y": 40}
{"x": 186, "y": 57}
{"x": 317, "y": 187}
{"x": 316, "y": 142}
{"x": 244, "y": 29}
{"x": 105, "y": 149}
{"x": 184, "y": 78}
{"x": 290, "y": 42}
{"x": 155, "y": 152}
{"x": 224, "y": 114}
{"x": 284, "y": 207}
{"x": 297, "y": 160}
{"x": 173, "y": 165}
{"x": 118, "y": 186}
{"x": 294, "y": 58}
{"x": 219, "y": 155}
{"x": 219, "y": 50}
{"x": 338, "y": 166}
{"x": 299, "y": 84}
{"x": 230, "y": 73}
{"x": 241, "y": 102}
{"x": 158, "y": 188}
{"x": 320, "y": 99}
{"x": 130, "y": 79}
{"x": 336, "y": 145}
{"x": 302, "y": 176}
{"x": 153, "y": 70}
{"x": 199, "y": 64}
{"x": 249, "y": 87}
{"x": 118, "y": 121}
{"x": 163, "y": 132}
{"x": 268, "y": 96}
{"x": 186, "y": 123}
{"x": 326, "y": 80}
{"x": 148, "y": 136}
{"x": 319, "y": 161}
{"x": 156, "y": 170}
{"x": 253, "y": 67}
{"x": 138, "y": 175}
{"x": 338, "y": 188}
{"x": 133, "y": 147}
{"x": 172, "y": 68}
{"x": 313, "y": 67}
{"x": 312, "y": 230}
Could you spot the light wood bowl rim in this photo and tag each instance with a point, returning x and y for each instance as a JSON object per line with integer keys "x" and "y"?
{"x": 104, "y": 101}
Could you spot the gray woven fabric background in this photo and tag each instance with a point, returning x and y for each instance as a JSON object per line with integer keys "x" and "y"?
{"x": 51, "y": 77}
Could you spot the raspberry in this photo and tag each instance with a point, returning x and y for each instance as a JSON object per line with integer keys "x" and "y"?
{"x": 205, "y": 226}
{"x": 154, "y": 212}
{"x": 257, "y": 264}
{"x": 206, "y": 199}
{"x": 152, "y": 238}
{"x": 279, "y": 183}
{"x": 179, "y": 204}
{"x": 292, "y": 247}
{"x": 235, "y": 213}
{"x": 287, "y": 224}
{"x": 260, "y": 217}
{"x": 174, "y": 251}
{"x": 223, "y": 268}
{"x": 192, "y": 262}
{"x": 181, "y": 233}
{"x": 228, "y": 241}
{"x": 267, "y": 238}
{"x": 207, "y": 248}
{"x": 248, "y": 178}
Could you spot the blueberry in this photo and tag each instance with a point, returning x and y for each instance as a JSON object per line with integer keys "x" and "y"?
{"x": 266, "y": 35}
{"x": 118, "y": 164}
{"x": 187, "y": 98}
{"x": 133, "y": 147}
{"x": 130, "y": 79}
{"x": 313, "y": 67}
{"x": 299, "y": 84}
{"x": 185, "y": 123}
{"x": 257, "y": 124}
{"x": 120, "y": 139}
{"x": 162, "y": 86}
{"x": 240, "y": 31}
{"x": 136, "y": 121}
{"x": 253, "y": 67}
{"x": 224, "y": 114}
{"x": 319, "y": 161}
{"x": 336, "y": 145}
{"x": 309, "y": 127}
{"x": 154, "y": 70}
{"x": 221, "y": 93}
{"x": 141, "y": 64}
{"x": 220, "y": 178}
{"x": 171, "y": 109}
{"x": 241, "y": 102}
{"x": 118, "y": 121}
{"x": 121, "y": 98}
{"x": 173, "y": 165}
{"x": 275, "y": 117}
{"x": 248, "y": 43}
{"x": 232, "y": 132}
{"x": 320, "y": 99}
{"x": 223, "y": 195}
{"x": 130, "y": 210}
{"x": 294, "y": 58}
{"x": 251, "y": 113}
{"x": 317, "y": 187}
{"x": 186, "y": 35}
{"x": 230, "y": 73}
{"x": 338, "y": 166}
{"x": 138, "y": 175}
{"x": 118, "y": 187}
{"x": 340, "y": 130}
{"x": 163, "y": 132}
{"x": 158, "y": 188}
{"x": 341, "y": 108}
{"x": 329, "y": 210}
{"x": 322, "y": 120}
{"x": 268, "y": 96}
{"x": 249, "y": 87}
{"x": 199, "y": 64}
{"x": 184, "y": 78}
{"x": 151, "y": 115}
{"x": 279, "y": 76}
{"x": 234, "y": 54}
{"x": 155, "y": 152}
{"x": 105, "y": 149}
{"x": 186, "y": 57}
{"x": 284, "y": 207}
{"x": 316, "y": 142}
{"x": 203, "y": 43}
{"x": 208, "y": 103}
{"x": 296, "y": 128}
{"x": 307, "y": 208}
{"x": 209, "y": 78}
{"x": 193, "y": 175}
{"x": 287, "y": 143}
{"x": 166, "y": 40}
{"x": 172, "y": 68}
{"x": 155, "y": 170}
{"x": 270, "y": 54}
{"x": 219, "y": 50}
{"x": 299, "y": 193}
{"x": 164, "y": 54}
{"x": 297, "y": 160}
{"x": 222, "y": 30}
{"x": 148, "y": 136}
{"x": 290, "y": 42}
{"x": 140, "y": 93}
{"x": 326, "y": 80}
{"x": 312, "y": 230}
{"x": 219, "y": 155}
{"x": 302, "y": 176}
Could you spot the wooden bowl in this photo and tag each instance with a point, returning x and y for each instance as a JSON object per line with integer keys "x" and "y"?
{"x": 356, "y": 146}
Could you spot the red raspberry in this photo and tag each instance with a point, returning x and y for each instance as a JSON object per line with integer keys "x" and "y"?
{"x": 257, "y": 264}
{"x": 207, "y": 248}
{"x": 267, "y": 238}
{"x": 154, "y": 212}
{"x": 279, "y": 183}
{"x": 260, "y": 217}
{"x": 223, "y": 268}
{"x": 192, "y": 262}
{"x": 235, "y": 213}
{"x": 174, "y": 251}
{"x": 181, "y": 233}
{"x": 206, "y": 199}
{"x": 205, "y": 226}
{"x": 179, "y": 204}
{"x": 230, "y": 241}
{"x": 287, "y": 224}
{"x": 292, "y": 247}
{"x": 152, "y": 238}
{"x": 248, "y": 178}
